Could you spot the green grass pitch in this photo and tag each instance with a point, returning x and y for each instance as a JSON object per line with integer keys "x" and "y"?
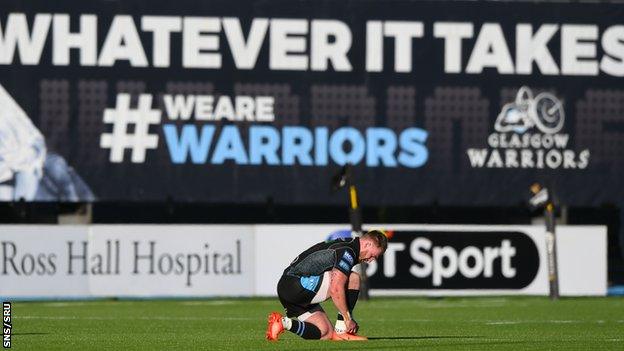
{"x": 496, "y": 323}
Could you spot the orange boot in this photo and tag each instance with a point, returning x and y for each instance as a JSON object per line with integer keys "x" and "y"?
{"x": 274, "y": 327}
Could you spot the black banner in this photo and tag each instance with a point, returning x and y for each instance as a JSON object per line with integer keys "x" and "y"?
{"x": 454, "y": 103}
{"x": 455, "y": 260}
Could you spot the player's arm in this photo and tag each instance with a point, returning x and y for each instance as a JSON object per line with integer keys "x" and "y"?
{"x": 337, "y": 291}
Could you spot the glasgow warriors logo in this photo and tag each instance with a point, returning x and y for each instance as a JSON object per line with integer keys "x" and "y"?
{"x": 544, "y": 111}
{"x": 528, "y": 135}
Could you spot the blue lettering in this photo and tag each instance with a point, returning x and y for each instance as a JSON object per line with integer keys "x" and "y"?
{"x": 299, "y": 146}
{"x": 179, "y": 148}
{"x": 320, "y": 147}
{"x": 381, "y": 144}
{"x": 336, "y": 150}
{"x": 263, "y": 143}
{"x": 296, "y": 145}
{"x": 413, "y": 151}
{"x": 229, "y": 146}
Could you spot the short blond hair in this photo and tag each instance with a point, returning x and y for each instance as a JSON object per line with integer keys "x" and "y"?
{"x": 379, "y": 237}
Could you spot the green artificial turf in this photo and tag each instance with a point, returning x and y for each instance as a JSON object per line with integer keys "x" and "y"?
{"x": 496, "y": 323}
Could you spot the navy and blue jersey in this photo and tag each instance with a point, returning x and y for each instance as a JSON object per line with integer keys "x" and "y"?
{"x": 341, "y": 254}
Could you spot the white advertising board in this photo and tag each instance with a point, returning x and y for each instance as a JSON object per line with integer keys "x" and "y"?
{"x": 131, "y": 260}
{"x": 518, "y": 269}
{"x": 173, "y": 260}
{"x": 34, "y": 261}
{"x": 47, "y": 261}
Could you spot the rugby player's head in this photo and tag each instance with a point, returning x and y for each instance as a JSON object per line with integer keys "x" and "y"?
{"x": 372, "y": 245}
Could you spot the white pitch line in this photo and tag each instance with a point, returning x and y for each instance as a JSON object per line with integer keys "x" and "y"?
{"x": 415, "y": 320}
{"x": 64, "y": 304}
{"x": 446, "y": 305}
{"x": 139, "y": 318}
{"x": 498, "y": 322}
{"x": 208, "y": 303}
{"x": 402, "y": 320}
{"x": 543, "y": 322}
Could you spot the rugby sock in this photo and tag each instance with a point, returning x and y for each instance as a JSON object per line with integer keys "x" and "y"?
{"x": 287, "y": 323}
{"x": 303, "y": 329}
{"x": 352, "y": 297}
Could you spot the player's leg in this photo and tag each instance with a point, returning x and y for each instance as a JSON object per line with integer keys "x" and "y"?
{"x": 353, "y": 292}
{"x": 319, "y": 320}
{"x": 300, "y": 306}
{"x": 312, "y": 325}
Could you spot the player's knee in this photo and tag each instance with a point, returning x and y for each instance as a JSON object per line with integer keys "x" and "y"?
{"x": 354, "y": 281}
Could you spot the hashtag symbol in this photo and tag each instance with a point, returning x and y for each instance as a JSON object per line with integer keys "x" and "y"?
{"x": 122, "y": 116}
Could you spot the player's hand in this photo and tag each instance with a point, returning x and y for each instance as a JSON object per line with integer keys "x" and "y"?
{"x": 357, "y": 327}
{"x": 352, "y": 326}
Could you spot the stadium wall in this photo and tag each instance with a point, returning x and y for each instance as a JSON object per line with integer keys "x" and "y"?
{"x": 244, "y": 101}
{"x": 154, "y": 261}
